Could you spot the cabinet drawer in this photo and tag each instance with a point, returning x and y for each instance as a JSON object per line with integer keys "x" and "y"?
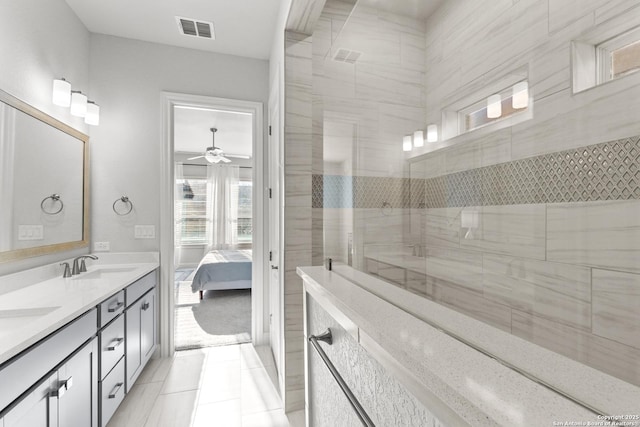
{"x": 111, "y": 345}
{"x": 140, "y": 287}
{"x": 111, "y": 392}
{"x": 111, "y": 308}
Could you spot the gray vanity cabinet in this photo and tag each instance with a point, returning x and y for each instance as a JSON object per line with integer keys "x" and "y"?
{"x": 77, "y": 397}
{"x": 33, "y": 410}
{"x": 141, "y": 326}
{"x": 66, "y": 398}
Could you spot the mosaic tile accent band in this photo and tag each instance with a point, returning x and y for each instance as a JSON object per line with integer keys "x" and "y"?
{"x": 606, "y": 171}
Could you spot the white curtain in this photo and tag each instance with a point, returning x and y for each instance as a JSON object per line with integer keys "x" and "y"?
{"x": 178, "y": 197}
{"x": 222, "y": 207}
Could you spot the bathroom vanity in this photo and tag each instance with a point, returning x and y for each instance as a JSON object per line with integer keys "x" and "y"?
{"x": 71, "y": 348}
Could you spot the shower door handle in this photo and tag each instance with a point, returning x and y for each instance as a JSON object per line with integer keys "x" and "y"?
{"x": 274, "y": 267}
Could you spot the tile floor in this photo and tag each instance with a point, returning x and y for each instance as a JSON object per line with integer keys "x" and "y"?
{"x": 215, "y": 386}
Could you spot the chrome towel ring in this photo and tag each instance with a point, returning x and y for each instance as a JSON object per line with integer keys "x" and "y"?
{"x": 124, "y": 200}
{"x": 54, "y": 198}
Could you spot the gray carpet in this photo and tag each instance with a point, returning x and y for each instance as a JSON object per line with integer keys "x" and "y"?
{"x": 221, "y": 318}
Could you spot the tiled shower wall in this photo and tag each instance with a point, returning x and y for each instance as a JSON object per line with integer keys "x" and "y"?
{"x": 550, "y": 250}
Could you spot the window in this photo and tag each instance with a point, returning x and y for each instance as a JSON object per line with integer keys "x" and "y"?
{"x": 245, "y": 227}
{"x": 475, "y": 116}
{"x": 191, "y": 212}
{"x": 596, "y": 61}
{"x": 619, "y": 56}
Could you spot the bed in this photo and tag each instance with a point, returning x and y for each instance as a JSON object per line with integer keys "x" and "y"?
{"x": 223, "y": 269}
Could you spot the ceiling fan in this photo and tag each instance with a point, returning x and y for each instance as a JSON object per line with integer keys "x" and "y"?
{"x": 215, "y": 154}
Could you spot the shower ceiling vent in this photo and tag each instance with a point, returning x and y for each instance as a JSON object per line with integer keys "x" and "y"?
{"x": 345, "y": 55}
{"x": 196, "y": 28}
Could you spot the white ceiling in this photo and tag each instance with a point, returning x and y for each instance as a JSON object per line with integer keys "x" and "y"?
{"x": 192, "y": 134}
{"x": 242, "y": 27}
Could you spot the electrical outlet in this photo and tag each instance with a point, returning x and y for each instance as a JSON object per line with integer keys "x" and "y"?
{"x": 145, "y": 232}
{"x": 101, "y": 247}
{"x": 30, "y": 232}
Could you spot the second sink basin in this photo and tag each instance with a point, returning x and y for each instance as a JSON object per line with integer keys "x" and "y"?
{"x": 13, "y": 319}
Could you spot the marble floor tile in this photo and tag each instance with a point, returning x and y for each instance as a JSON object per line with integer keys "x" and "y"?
{"x": 135, "y": 409}
{"x": 258, "y": 392}
{"x": 155, "y": 371}
{"x": 173, "y": 410}
{"x": 186, "y": 373}
{"x": 219, "y": 414}
{"x": 217, "y": 386}
{"x": 276, "y": 418}
{"x": 221, "y": 382}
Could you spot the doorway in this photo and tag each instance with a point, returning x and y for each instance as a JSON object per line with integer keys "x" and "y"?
{"x": 190, "y": 234}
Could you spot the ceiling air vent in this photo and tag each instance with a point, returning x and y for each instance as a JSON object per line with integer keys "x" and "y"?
{"x": 344, "y": 55}
{"x": 193, "y": 27}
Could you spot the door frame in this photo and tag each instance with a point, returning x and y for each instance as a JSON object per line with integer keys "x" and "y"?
{"x": 258, "y": 268}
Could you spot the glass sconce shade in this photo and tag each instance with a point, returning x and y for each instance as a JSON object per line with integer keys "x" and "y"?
{"x": 520, "y": 97}
{"x": 61, "y": 93}
{"x": 494, "y": 106}
{"x": 93, "y": 114}
{"x": 418, "y": 138}
{"x": 432, "y": 133}
{"x": 406, "y": 143}
{"x": 78, "y": 104}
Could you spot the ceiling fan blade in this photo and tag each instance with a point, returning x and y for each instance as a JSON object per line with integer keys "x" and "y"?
{"x": 193, "y": 158}
{"x": 224, "y": 159}
{"x": 238, "y": 156}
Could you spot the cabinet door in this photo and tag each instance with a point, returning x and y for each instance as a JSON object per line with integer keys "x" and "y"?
{"x": 33, "y": 409}
{"x": 148, "y": 325}
{"x": 78, "y": 406}
{"x": 132, "y": 342}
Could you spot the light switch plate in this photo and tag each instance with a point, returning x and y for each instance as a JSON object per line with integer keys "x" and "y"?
{"x": 145, "y": 232}
{"x": 30, "y": 232}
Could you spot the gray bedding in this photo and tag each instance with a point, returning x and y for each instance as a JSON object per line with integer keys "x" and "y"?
{"x": 223, "y": 269}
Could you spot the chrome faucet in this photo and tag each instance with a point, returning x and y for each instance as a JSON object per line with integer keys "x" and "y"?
{"x": 67, "y": 270}
{"x": 418, "y": 250}
{"x": 82, "y": 266}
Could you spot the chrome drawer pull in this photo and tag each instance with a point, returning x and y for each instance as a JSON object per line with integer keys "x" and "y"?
{"x": 115, "y": 344}
{"x": 114, "y": 308}
{"x": 63, "y": 387}
{"x": 115, "y": 390}
{"x": 145, "y": 306}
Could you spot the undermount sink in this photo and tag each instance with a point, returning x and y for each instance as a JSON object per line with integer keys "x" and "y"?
{"x": 103, "y": 272}
{"x": 12, "y": 319}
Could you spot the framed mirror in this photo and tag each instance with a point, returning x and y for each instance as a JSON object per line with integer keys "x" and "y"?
{"x": 44, "y": 183}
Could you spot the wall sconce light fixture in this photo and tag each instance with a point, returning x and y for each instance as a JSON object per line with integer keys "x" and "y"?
{"x": 93, "y": 114}
{"x": 80, "y": 106}
{"x": 418, "y": 138}
{"x": 61, "y": 93}
{"x": 520, "y": 97}
{"x": 78, "y": 103}
{"x": 432, "y": 133}
{"x": 406, "y": 143}
{"x": 494, "y": 106}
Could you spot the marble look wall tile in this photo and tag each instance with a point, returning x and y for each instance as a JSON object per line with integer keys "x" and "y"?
{"x": 515, "y": 230}
{"x": 463, "y": 268}
{"x": 616, "y": 298}
{"x": 599, "y": 234}
{"x": 563, "y": 12}
{"x": 558, "y": 292}
{"x": 600, "y": 353}
{"x": 303, "y": 16}
{"x": 610, "y": 10}
{"x": 389, "y": 84}
{"x": 470, "y": 302}
{"x": 442, "y": 227}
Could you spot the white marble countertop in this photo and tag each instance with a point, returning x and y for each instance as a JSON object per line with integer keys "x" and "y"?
{"x": 36, "y": 302}
{"x": 465, "y": 382}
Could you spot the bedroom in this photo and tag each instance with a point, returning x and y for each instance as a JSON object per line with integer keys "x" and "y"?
{"x": 213, "y": 226}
